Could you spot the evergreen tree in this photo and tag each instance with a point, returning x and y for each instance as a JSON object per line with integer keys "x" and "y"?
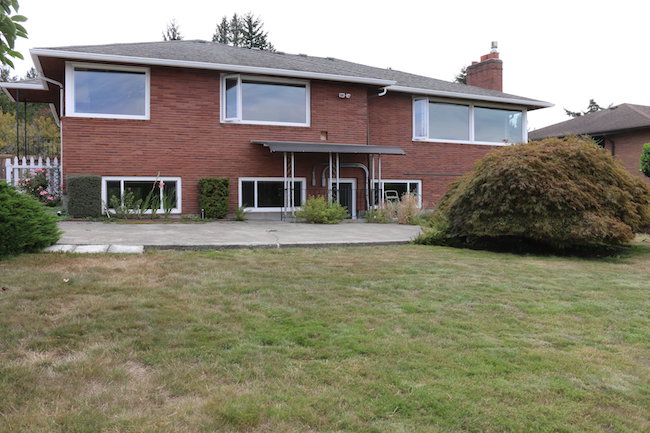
{"x": 253, "y": 34}
{"x": 461, "y": 77}
{"x": 222, "y": 34}
{"x": 31, "y": 74}
{"x": 591, "y": 108}
{"x": 172, "y": 33}
{"x": 242, "y": 31}
{"x": 235, "y": 33}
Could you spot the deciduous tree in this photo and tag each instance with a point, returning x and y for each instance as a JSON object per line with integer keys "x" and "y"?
{"x": 10, "y": 30}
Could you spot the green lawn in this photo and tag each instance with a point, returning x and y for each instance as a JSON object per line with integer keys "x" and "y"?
{"x": 390, "y": 339}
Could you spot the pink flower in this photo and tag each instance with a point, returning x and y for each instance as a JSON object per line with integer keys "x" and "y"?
{"x": 43, "y": 193}
{"x": 50, "y": 198}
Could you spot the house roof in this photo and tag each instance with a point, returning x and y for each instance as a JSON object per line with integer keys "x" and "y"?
{"x": 603, "y": 122}
{"x": 212, "y": 55}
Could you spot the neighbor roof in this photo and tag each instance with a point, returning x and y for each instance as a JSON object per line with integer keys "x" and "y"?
{"x": 614, "y": 119}
{"x": 213, "y": 55}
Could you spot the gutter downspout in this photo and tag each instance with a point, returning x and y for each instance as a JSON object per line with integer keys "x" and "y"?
{"x": 370, "y": 183}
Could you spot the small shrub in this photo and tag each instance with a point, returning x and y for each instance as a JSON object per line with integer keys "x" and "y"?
{"x": 378, "y": 216}
{"x": 563, "y": 195}
{"x": 85, "y": 196}
{"x": 213, "y": 197}
{"x": 240, "y": 214}
{"x": 25, "y": 225}
{"x": 318, "y": 210}
{"x": 408, "y": 209}
{"x": 645, "y": 159}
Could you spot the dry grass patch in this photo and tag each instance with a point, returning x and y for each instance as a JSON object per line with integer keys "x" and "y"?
{"x": 394, "y": 339}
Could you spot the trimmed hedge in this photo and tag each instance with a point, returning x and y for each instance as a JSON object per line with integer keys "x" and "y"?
{"x": 84, "y": 195}
{"x": 558, "y": 194}
{"x": 213, "y": 197}
{"x": 25, "y": 225}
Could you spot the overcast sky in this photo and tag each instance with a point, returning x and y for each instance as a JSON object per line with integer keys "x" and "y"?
{"x": 564, "y": 52}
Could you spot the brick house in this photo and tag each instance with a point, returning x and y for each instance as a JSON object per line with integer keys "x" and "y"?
{"x": 280, "y": 127}
{"x": 622, "y": 129}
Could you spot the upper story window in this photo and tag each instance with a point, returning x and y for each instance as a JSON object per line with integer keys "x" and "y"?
{"x": 107, "y": 91}
{"x": 466, "y": 123}
{"x": 265, "y": 101}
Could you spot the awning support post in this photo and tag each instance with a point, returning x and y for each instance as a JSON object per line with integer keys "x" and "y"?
{"x": 381, "y": 184}
{"x": 285, "y": 201}
{"x": 373, "y": 200}
{"x": 338, "y": 191}
{"x": 17, "y": 123}
{"x": 292, "y": 186}
{"x": 329, "y": 184}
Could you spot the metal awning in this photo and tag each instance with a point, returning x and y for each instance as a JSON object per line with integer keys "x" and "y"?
{"x": 307, "y": 147}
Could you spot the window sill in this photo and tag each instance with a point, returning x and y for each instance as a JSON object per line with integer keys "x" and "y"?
{"x": 251, "y": 122}
{"x": 479, "y": 143}
{"x": 268, "y": 209}
{"x": 107, "y": 116}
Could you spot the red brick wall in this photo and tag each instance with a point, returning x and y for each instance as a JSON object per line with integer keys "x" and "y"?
{"x": 627, "y": 149}
{"x": 487, "y": 74}
{"x": 436, "y": 164}
{"x": 185, "y": 138}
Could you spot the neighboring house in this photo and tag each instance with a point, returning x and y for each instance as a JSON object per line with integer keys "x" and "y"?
{"x": 281, "y": 127}
{"x": 622, "y": 130}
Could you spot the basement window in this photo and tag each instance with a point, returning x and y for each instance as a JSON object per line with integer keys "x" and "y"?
{"x": 266, "y": 194}
{"x": 159, "y": 193}
{"x": 451, "y": 122}
{"x": 401, "y": 187}
{"x": 264, "y": 101}
{"x": 107, "y": 91}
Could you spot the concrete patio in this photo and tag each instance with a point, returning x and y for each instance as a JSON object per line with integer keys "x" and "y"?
{"x": 137, "y": 237}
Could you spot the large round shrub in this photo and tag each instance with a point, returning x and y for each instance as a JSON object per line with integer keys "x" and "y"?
{"x": 25, "y": 226}
{"x": 560, "y": 193}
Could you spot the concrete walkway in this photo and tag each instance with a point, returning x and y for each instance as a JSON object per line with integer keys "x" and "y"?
{"x": 135, "y": 238}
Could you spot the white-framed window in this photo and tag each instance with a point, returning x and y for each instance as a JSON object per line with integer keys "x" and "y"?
{"x": 264, "y": 100}
{"x": 107, "y": 91}
{"x": 160, "y": 193}
{"x": 448, "y": 121}
{"x": 400, "y": 186}
{"x": 266, "y": 194}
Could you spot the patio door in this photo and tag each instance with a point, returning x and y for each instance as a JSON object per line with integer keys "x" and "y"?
{"x": 347, "y": 194}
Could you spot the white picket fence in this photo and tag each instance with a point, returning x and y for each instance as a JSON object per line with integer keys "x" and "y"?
{"x": 15, "y": 169}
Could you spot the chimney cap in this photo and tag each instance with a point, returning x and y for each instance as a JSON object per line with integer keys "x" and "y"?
{"x": 495, "y": 45}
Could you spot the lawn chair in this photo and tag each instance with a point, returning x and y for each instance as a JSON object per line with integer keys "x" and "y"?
{"x": 391, "y": 196}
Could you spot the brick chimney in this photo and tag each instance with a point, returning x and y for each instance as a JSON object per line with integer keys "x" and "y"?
{"x": 488, "y": 73}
